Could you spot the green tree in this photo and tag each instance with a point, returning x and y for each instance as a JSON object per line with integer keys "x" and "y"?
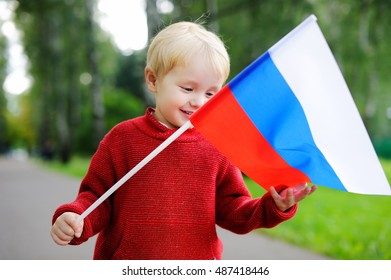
{"x": 93, "y": 63}
{"x": 59, "y": 41}
{"x": 42, "y": 23}
{"x": 357, "y": 32}
{"x": 3, "y": 101}
{"x": 78, "y": 74}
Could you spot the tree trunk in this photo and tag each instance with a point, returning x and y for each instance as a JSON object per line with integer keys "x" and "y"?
{"x": 153, "y": 22}
{"x": 60, "y": 94}
{"x": 96, "y": 92}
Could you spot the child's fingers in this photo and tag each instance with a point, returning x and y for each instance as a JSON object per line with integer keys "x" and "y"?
{"x": 66, "y": 228}
{"x": 276, "y": 197}
{"x": 284, "y": 200}
{"x": 78, "y": 228}
{"x": 61, "y": 233}
{"x": 313, "y": 188}
{"x": 300, "y": 187}
{"x": 300, "y": 195}
{"x": 289, "y": 198}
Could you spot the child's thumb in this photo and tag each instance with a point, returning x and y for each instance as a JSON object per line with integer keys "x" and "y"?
{"x": 79, "y": 228}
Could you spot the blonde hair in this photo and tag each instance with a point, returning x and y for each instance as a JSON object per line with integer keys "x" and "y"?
{"x": 176, "y": 44}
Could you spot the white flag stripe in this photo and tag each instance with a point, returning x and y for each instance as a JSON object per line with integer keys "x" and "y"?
{"x": 309, "y": 67}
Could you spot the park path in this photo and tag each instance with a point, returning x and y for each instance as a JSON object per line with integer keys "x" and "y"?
{"x": 29, "y": 195}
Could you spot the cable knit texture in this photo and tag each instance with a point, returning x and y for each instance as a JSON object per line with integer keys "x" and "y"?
{"x": 170, "y": 208}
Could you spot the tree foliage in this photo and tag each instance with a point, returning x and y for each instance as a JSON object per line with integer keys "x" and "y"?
{"x": 357, "y": 32}
{"x": 4, "y": 142}
{"x": 83, "y": 85}
{"x": 71, "y": 60}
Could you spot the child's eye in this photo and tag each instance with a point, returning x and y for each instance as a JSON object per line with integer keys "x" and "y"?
{"x": 187, "y": 89}
{"x": 209, "y": 94}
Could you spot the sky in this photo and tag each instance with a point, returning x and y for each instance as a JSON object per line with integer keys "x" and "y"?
{"x": 17, "y": 80}
{"x": 125, "y": 20}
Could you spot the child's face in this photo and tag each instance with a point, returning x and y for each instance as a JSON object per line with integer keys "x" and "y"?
{"x": 183, "y": 90}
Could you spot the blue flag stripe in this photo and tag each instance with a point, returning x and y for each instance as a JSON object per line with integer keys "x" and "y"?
{"x": 272, "y": 106}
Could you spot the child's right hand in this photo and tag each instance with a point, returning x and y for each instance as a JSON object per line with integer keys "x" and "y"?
{"x": 66, "y": 227}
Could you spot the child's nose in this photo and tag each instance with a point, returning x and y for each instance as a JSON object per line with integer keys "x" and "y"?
{"x": 197, "y": 101}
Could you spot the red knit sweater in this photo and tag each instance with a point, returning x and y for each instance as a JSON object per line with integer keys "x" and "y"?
{"x": 169, "y": 209}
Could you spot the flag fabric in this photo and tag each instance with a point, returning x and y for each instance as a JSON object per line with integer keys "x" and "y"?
{"x": 289, "y": 119}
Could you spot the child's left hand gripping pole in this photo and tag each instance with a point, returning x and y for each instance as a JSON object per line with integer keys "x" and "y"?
{"x": 135, "y": 169}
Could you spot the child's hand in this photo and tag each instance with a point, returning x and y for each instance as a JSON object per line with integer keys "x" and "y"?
{"x": 66, "y": 227}
{"x": 290, "y": 196}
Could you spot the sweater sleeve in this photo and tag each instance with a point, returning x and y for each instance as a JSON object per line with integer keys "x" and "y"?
{"x": 238, "y": 212}
{"x": 99, "y": 178}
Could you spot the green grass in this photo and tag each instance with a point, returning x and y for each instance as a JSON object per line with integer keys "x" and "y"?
{"x": 338, "y": 224}
{"x": 333, "y": 223}
{"x": 77, "y": 167}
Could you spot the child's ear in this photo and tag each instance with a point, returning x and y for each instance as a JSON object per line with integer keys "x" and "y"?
{"x": 150, "y": 80}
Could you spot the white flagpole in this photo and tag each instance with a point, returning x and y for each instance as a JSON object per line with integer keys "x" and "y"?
{"x": 135, "y": 169}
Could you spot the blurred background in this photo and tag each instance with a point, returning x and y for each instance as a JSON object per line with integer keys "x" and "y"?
{"x": 72, "y": 69}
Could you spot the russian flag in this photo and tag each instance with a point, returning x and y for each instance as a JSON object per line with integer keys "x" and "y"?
{"x": 289, "y": 118}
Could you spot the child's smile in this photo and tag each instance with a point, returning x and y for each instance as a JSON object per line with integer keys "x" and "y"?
{"x": 183, "y": 90}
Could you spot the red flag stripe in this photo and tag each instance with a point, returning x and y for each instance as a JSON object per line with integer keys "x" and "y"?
{"x": 243, "y": 145}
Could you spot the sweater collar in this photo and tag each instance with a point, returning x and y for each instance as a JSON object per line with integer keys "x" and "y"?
{"x": 157, "y": 130}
